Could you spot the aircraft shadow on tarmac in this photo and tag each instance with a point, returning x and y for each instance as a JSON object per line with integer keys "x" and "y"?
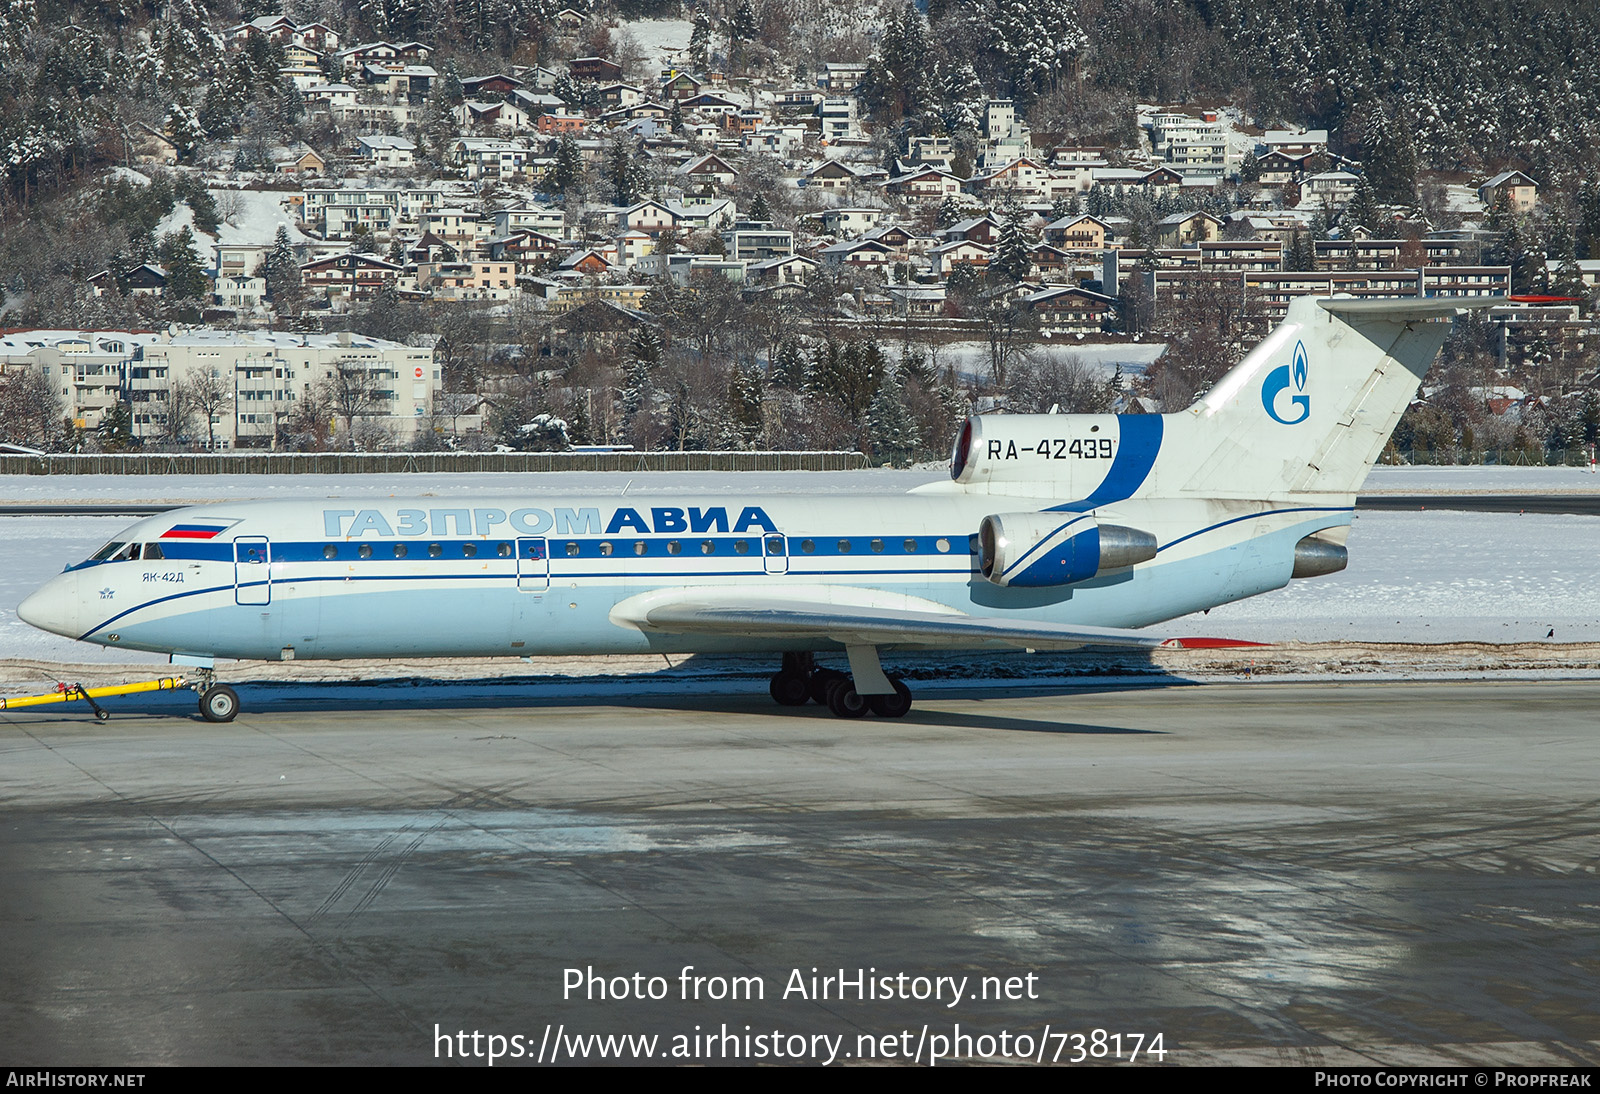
{"x": 686, "y": 686}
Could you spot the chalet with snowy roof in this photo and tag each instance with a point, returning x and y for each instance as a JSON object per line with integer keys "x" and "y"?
{"x": 614, "y": 96}
{"x": 535, "y": 103}
{"x": 928, "y": 184}
{"x": 1521, "y": 191}
{"x": 597, "y": 69}
{"x": 526, "y": 247}
{"x": 1071, "y": 310}
{"x": 497, "y": 83}
{"x": 901, "y": 242}
{"x": 831, "y": 175}
{"x": 781, "y": 270}
{"x": 1023, "y": 176}
{"x": 711, "y": 104}
{"x": 1079, "y": 233}
{"x": 390, "y": 153}
{"x": 1048, "y": 261}
{"x": 681, "y": 86}
{"x": 985, "y": 229}
{"x": 960, "y": 252}
{"x": 146, "y": 280}
{"x": 707, "y": 170}
{"x": 507, "y": 116}
{"x": 1333, "y": 188}
{"x": 347, "y": 277}
{"x": 1185, "y": 229}
{"x": 1293, "y": 142}
{"x": 1161, "y": 176}
{"x": 588, "y": 263}
{"x": 859, "y": 253}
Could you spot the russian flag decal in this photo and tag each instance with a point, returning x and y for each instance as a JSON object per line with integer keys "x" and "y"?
{"x": 194, "y": 531}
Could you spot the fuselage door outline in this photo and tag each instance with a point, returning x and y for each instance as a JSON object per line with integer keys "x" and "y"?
{"x": 533, "y": 564}
{"x": 775, "y": 553}
{"x": 252, "y": 570}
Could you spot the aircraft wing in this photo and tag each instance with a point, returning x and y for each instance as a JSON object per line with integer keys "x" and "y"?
{"x": 759, "y": 617}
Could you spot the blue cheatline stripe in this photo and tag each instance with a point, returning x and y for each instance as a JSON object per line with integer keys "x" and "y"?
{"x": 656, "y": 546}
{"x": 1137, "y": 448}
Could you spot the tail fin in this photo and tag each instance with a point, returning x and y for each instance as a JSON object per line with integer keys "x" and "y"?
{"x": 1309, "y": 409}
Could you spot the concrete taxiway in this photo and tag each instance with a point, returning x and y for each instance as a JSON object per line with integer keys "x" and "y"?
{"x": 1340, "y": 873}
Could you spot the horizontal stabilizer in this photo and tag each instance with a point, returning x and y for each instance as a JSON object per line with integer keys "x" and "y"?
{"x": 1404, "y": 309}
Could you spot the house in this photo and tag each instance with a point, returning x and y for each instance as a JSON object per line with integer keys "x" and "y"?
{"x": 712, "y": 104}
{"x": 301, "y": 161}
{"x": 589, "y": 263}
{"x": 559, "y": 121}
{"x": 866, "y": 253}
{"x": 1521, "y": 191}
{"x": 961, "y": 252}
{"x": 838, "y": 120}
{"x": 146, "y": 280}
{"x": 1293, "y": 142}
{"x": 1079, "y": 233}
{"x": 508, "y": 116}
{"x": 916, "y": 301}
{"x": 597, "y": 69}
{"x": 844, "y": 76}
{"x": 928, "y": 184}
{"x": 784, "y": 141}
{"x": 782, "y": 270}
{"x": 851, "y": 222}
{"x": 1186, "y": 229}
{"x": 706, "y": 170}
{"x": 614, "y": 96}
{"x": 1333, "y": 188}
{"x": 831, "y": 175}
{"x": 526, "y": 247}
{"x": 756, "y": 241}
{"x": 239, "y": 291}
{"x": 498, "y": 83}
{"x": 1020, "y": 177}
{"x": 1071, "y": 310}
{"x": 392, "y": 153}
{"x": 681, "y": 86}
{"x": 151, "y": 147}
{"x": 984, "y": 229}
{"x": 346, "y": 277}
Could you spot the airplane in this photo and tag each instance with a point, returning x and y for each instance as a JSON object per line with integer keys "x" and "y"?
{"x": 1054, "y": 531}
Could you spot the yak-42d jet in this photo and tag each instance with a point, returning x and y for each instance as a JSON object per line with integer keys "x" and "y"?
{"x": 1054, "y": 532}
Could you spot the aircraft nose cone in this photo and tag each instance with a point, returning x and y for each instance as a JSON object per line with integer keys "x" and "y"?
{"x": 54, "y": 607}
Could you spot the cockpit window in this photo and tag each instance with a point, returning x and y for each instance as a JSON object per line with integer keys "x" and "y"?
{"x": 106, "y": 552}
{"x": 153, "y": 550}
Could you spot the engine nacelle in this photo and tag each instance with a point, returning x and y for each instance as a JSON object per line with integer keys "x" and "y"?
{"x": 1033, "y": 550}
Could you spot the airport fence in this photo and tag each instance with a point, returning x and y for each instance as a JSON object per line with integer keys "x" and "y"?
{"x": 368, "y": 463}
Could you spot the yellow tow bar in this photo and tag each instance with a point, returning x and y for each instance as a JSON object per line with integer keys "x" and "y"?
{"x": 66, "y": 693}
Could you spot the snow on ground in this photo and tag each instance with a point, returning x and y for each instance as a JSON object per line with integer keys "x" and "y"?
{"x": 253, "y": 217}
{"x": 1435, "y": 576}
{"x": 1480, "y": 480}
{"x": 664, "y": 42}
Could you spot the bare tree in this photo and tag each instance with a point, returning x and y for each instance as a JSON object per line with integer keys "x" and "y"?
{"x": 210, "y": 395}
{"x": 356, "y": 392}
{"x": 30, "y": 409}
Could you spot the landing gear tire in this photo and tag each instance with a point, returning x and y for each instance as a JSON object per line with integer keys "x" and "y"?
{"x": 219, "y": 703}
{"x": 891, "y": 706}
{"x": 844, "y": 700}
{"x": 821, "y": 680}
{"x": 790, "y": 689}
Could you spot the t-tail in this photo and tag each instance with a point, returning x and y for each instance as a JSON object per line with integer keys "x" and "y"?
{"x": 1304, "y": 416}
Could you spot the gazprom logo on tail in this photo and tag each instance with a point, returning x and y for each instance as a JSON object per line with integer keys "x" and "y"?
{"x": 1279, "y": 381}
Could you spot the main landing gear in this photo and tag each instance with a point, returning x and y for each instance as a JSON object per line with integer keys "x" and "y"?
{"x": 800, "y": 681}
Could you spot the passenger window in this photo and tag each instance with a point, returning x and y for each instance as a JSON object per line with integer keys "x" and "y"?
{"x": 844, "y": 546}
{"x": 365, "y": 550}
{"x": 434, "y": 550}
{"x": 400, "y": 550}
{"x": 674, "y": 547}
{"x": 943, "y": 545}
{"x": 774, "y": 545}
{"x": 572, "y": 550}
{"x": 808, "y": 547}
{"x": 877, "y": 546}
{"x": 640, "y": 547}
{"x": 741, "y": 547}
{"x": 503, "y": 550}
{"x": 330, "y": 551}
{"x": 469, "y": 550}
{"x": 911, "y": 546}
{"x": 605, "y": 549}
{"x": 707, "y": 547}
